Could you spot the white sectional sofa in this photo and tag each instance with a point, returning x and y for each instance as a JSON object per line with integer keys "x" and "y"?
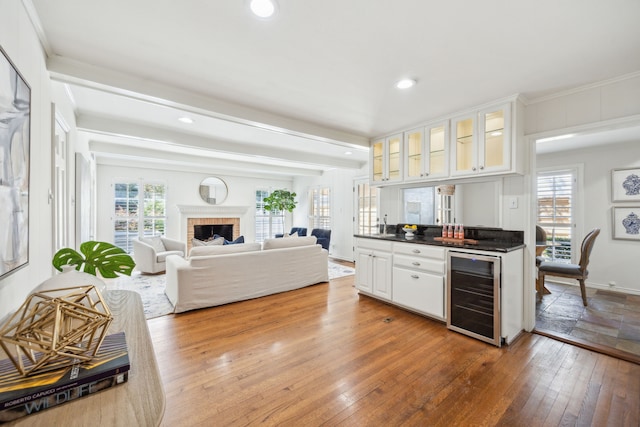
{"x": 216, "y": 275}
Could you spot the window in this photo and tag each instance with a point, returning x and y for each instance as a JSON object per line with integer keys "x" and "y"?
{"x": 128, "y": 216}
{"x": 267, "y": 225}
{"x": 320, "y": 208}
{"x": 556, "y": 202}
{"x": 367, "y": 208}
{"x": 419, "y": 205}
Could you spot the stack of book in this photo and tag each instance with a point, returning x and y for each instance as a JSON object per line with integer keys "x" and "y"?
{"x": 20, "y": 396}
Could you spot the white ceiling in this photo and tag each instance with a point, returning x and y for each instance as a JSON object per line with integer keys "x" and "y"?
{"x": 290, "y": 95}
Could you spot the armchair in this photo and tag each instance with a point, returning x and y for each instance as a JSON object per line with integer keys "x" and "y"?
{"x": 301, "y": 231}
{"x": 323, "y": 236}
{"x": 150, "y": 253}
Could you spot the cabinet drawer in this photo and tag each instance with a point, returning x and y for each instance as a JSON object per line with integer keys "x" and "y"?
{"x": 379, "y": 245}
{"x": 425, "y": 251}
{"x": 421, "y": 264}
{"x": 423, "y": 292}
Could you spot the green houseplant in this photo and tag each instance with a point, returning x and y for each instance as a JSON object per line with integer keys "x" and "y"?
{"x": 107, "y": 259}
{"x": 279, "y": 201}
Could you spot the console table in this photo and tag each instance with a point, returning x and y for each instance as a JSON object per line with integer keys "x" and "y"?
{"x": 138, "y": 402}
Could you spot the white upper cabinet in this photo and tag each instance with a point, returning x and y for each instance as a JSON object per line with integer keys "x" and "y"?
{"x": 426, "y": 152}
{"x": 386, "y": 160}
{"x": 481, "y": 142}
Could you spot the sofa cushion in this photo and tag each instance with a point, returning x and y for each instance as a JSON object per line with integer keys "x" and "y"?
{"x": 224, "y": 249}
{"x": 288, "y": 243}
{"x": 215, "y": 242}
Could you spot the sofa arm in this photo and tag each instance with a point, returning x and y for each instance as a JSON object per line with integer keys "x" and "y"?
{"x": 144, "y": 255}
{"x": 174, "y": 245}
{"x": 174, "y": 263}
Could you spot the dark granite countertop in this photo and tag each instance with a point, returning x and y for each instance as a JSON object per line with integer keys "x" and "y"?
{"x": 489, "y": 239}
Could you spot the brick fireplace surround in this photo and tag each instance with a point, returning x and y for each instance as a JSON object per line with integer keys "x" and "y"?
{"x": 191, "y": 215}
{"x": 211, "y": 221}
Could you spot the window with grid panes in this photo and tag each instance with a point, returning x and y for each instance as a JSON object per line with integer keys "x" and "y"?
{"x": 555, "y": 200}
{"x": 263, "y": 218}
{"x": 367, "y": 199}
{"x": 128, "y": 217}
{"x": 320, "y": 208}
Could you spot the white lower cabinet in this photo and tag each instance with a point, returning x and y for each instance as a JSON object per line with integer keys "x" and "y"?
{"x": 419, "y": 278}
{"x": 373, "y": 268}
{"x": 409, "y": 275}
{"x": 420, "y": 291}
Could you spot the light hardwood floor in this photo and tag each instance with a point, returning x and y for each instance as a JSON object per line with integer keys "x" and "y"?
{"x": 324, "y": 355}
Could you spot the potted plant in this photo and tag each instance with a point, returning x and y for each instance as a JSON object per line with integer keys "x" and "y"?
{"x": 279, "y": 201}
{"x": 107, "y": 259}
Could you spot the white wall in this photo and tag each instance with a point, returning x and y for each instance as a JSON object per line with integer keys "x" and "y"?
{"x": 20, "y": 42}
{"x": 340, "y": 183}
{"x": 611, "y": 260}
{"x": 182, "y": 189}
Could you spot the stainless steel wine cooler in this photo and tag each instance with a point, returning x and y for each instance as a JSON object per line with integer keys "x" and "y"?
{"x": 474, "y": 295}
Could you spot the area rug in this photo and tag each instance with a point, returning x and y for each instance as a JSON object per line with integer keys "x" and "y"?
{"x": 156, "y": 303}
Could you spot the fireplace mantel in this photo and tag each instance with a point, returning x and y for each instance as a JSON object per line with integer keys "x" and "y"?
{"x": 212, "y": 210}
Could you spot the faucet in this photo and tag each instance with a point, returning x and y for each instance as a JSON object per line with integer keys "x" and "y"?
{"x": 385, "y": 224}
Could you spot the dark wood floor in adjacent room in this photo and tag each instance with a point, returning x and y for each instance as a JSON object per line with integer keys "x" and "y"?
{"x": 324, "y": 355}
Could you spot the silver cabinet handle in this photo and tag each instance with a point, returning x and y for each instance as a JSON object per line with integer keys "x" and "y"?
{"x": 416, "y": 251}
{"x": 481, "y": 167}
{"x": 415, "y": 276}
{"x": 473, "y": 168}
{"x": 415, "y": 263}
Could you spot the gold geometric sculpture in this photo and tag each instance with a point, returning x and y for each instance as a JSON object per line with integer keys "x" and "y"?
{"x": 56, "y": 328}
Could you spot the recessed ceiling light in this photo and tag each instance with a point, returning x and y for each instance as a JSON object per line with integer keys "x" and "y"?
{"x": 555, "y": 138}
{"x": 348, "y": 153}
{"x": 405, "y": 83}
{"x": 186, "y": 120}
{"x": 263, "y": 8}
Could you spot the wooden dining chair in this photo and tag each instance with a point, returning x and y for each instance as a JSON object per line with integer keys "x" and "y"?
{"x": 573, "y": 271}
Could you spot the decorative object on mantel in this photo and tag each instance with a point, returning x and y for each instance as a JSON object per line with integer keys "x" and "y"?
{"x": 626, "y": 223}
{"x": 625, "y": 185}
{"x": 105, "y": 258}
{"x": 56, "y": 328}
{"x": 279, "y": 201}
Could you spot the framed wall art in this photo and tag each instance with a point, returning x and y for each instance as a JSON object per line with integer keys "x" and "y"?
{"x": 625, "y": 185}
{"x": 626, "y": 222}
{"x": 15, "y": 119}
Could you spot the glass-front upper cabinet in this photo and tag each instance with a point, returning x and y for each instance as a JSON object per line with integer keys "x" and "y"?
{"x": 386, "y": 160}
{"x": 481, "y": 142}
{"x": 426, "y": 152}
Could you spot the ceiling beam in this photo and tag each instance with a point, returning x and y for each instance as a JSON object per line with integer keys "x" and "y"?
{"x": 78, "y": 73}
{"x": 127, "y": 155}
{"x": 166, "y": 137}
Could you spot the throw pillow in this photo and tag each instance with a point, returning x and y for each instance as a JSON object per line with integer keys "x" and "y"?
{"x": 291, "y": 235}
{"x": 214, "y": 242}
{"x": 240, "y": 239}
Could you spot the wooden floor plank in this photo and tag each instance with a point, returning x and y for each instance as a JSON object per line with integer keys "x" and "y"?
{"x": 324, "y": 355}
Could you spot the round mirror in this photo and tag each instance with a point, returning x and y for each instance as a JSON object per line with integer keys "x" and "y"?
{"x": 213, "y": 190}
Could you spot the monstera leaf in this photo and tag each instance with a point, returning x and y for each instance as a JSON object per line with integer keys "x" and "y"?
{"x": 104, "y": 257}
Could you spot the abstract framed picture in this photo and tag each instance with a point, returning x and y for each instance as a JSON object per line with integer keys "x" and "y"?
{"x": 15, "y": 121}
{"x": 626, "y": 223}
{"x": 625, "y": 185}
